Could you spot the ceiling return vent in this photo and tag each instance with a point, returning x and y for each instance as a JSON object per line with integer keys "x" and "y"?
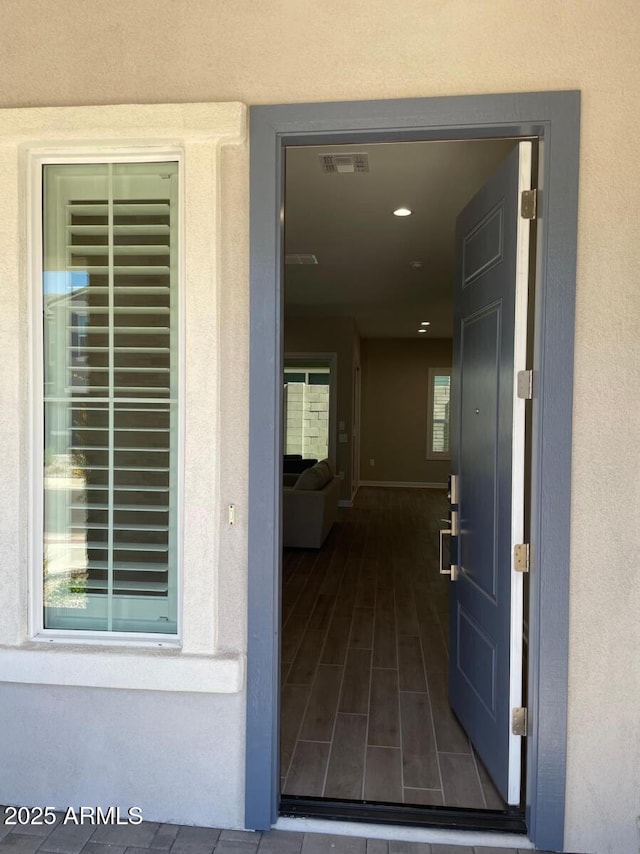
{"x": 299, "y": 258}
{"x": 344, "y": 162}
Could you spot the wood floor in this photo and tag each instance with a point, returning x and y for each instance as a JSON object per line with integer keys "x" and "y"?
{"x": 364, "y": 662}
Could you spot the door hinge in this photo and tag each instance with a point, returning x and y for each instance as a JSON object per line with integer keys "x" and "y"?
{"x": 529, "y": 204}
{"x": 525, "y": 385}
{"x": 519, "y": 721}
{"x": 521, "y": 557}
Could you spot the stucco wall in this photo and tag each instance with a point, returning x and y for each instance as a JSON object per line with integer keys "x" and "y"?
{"x": 178, "y": 756}
{"x": 296, "y": 50}
{"x": 96, "y": 723}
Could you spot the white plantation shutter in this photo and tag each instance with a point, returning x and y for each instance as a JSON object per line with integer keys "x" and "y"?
{"x": 438, "y": 416}
{"x": 111, "y": 396}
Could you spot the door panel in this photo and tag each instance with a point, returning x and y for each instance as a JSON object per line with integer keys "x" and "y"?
{"x": 476, "y": 659}
{"x": 487, "y": 444}
{"x": 480, "y": 367}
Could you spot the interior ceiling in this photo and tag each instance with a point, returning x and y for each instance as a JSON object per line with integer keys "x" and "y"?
{"x": 364, "y": 252}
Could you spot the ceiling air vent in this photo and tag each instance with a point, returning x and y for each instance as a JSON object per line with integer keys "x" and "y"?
{"x": 300, "y": 259}
{"x": 344, "y": 162}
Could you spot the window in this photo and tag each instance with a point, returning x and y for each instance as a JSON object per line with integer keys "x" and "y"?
{"x": 307, "y": 405}
{"x": 110, "y": 394}
{"x": 438, "y": 414}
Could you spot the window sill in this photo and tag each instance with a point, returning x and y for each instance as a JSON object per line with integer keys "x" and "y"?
{"x": 122, "y": 668}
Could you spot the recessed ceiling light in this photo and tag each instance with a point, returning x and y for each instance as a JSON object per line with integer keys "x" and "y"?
{"x": 425, "y": 323}
{"x": 402, "y": 212}
{"x": 422, "y": 330}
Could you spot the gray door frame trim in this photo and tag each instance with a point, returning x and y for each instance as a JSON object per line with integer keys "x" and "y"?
{"x": 553, "y": 117}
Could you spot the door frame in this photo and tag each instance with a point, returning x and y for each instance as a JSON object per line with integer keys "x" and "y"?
{"x": 355, "y": 430}
{"x": 554, "y": 118}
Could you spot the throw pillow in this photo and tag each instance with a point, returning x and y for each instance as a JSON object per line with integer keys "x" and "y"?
{"x": 326, "y": 463}
{"x": 315, "y": 477}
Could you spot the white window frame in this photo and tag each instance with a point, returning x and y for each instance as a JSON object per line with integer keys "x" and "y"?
{"x": 98, "y": 156}
{"x": 204, "y": 660}
{"x": 431, "y": 454}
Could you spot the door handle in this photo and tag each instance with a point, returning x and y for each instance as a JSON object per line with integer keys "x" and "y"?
{"x": 452, "y": 530}
{"x": 443, "y": 532}
{"x": 452, "y": 570}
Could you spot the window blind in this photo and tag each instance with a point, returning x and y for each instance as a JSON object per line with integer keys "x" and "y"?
{"x": 111, "y": 397}
{"x": 440, "y": 414}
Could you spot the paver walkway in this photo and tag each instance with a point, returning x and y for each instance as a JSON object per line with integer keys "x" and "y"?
{"x": 151, "y": 838}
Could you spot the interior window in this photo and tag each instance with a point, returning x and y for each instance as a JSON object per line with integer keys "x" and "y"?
{"x": 438, "y": 417}
{"x": 307, "y": 401}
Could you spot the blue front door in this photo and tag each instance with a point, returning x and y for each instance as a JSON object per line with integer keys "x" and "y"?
{"x": 487, "y": 453}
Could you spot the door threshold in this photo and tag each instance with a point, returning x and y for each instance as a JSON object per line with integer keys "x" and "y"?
{"x": 446, "y": 818}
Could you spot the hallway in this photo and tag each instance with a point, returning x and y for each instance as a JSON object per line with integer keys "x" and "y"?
{"x": 365, "y": 714}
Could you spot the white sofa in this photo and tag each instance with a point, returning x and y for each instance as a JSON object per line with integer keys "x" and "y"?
{"x": 309, "y": 509}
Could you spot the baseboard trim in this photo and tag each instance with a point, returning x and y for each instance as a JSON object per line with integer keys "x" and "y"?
{"x": 403, "y": 484}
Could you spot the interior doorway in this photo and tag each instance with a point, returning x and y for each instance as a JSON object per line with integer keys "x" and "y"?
{"x": 365, "y": 714}
{"x": 547, "y": 115}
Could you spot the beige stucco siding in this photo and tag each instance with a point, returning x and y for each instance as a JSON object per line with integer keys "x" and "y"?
{"x": 67, "y": 709}
{"x": 70, "y": 52}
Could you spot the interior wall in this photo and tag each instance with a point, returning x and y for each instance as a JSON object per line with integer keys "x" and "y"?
{"x": 297, "y": 51}
{"x": 395, "y": 389}
{"x": 330, "y": 335}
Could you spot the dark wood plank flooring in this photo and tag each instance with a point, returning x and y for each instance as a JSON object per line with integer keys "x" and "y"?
{"x": 365, "y": 713}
